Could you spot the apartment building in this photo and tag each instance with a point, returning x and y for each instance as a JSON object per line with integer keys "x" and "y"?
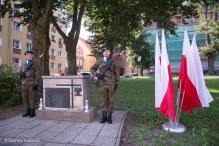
{"x": 15, "y": 40}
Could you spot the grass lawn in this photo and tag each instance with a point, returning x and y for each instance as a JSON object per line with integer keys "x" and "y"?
{"x": 143, "y": 126}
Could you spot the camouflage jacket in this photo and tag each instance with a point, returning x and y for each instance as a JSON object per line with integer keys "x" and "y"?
{"x": 34, "y": 76}
{"x": 114, "y": 73}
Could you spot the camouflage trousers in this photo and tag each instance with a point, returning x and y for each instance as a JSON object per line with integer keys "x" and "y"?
{"x": 107, "y": 95}
{"x": 29, "y": 96}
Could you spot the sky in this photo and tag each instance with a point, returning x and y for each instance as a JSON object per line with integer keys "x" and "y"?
{"x": 83, "y": 33}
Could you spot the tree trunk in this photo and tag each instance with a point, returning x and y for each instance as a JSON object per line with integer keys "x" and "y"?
{"x": 141, "y": 72}
{"x": 211, "y": 64}
{"x": 71, "y": 58}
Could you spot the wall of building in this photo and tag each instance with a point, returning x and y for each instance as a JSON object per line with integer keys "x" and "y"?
{"x": 8, "y": 34}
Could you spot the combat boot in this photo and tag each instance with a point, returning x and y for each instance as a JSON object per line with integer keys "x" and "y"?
{"x": 32, "y": 114}
{"x": 110, "y": 117}
{"x": 104, "y": 117}
{"x": 27, "y": 113}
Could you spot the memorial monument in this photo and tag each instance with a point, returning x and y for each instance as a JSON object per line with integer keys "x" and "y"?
{"x": 67, "y": 98}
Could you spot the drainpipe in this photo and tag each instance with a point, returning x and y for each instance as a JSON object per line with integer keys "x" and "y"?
{"x": 9, "y": 32}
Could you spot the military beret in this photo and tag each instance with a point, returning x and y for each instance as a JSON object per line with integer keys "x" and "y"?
{"x": 28, "y": 51}
{"x": 105, "y": 48}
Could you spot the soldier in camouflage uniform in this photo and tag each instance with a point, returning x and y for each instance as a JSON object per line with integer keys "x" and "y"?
{"x": 29, "y": 85}
{"x": 108, "y": 84}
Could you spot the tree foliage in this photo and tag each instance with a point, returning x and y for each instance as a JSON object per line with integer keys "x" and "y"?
{"x": 139, "y": 46}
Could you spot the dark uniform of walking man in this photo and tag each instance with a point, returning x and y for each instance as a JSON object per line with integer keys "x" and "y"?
{"x": 108, "y": 84}
{"x": 29, "y": 85}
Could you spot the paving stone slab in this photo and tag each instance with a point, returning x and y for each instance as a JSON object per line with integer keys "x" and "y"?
{"x": 80, "y": 125}
{"x": 13, "y": 132}
{"x": 10, "y": 144}
{"x": 33, "y": 144}
{"x": 65, "y": 137}
{"x": 5, "y": 129}
{"x": 85, "y": 139}
{"x": 47, "y": 135}
{"x": 54, "y": 144}
{"x": 3, "y": 123}
{"x": 30, "y": 133}
{"x": 105, "y": 141}
{"x": 94, "y": 132}
{"x": 58, "y": 128}
{"x": 26, "y": 119}
{"x": 95, "y": 126}
{"x": 73, "y": 130}
{"x": 114, "y": 125}
{"x": 109, "y": 133}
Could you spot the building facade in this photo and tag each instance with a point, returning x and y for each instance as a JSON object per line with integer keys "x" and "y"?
{"x": 15, "y": 40}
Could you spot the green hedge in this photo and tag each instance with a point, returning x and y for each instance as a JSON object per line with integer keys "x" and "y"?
{"x": 129, "y": 75}
{"x": 10, "y": 91}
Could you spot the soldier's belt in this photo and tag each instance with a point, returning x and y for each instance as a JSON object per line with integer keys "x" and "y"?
{"x": 108, "y": 74}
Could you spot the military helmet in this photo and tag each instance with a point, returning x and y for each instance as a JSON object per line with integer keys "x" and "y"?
{"x": 28, "y": 51}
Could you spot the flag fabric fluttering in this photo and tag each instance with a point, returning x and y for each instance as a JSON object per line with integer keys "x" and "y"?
{"x": 190, "y": 84}
{"x": 164, "y": 100}
{"x": 203, "y": 93}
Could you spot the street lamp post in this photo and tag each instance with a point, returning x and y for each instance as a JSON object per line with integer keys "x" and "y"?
{"x": 139, "y": 59}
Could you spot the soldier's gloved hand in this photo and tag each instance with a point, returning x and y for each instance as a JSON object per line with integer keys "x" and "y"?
{"x": 34, "y": 87}
{"x": 115, "y": 87}
{"x": 22, "y": 75}
{"x": 100, "y": 76}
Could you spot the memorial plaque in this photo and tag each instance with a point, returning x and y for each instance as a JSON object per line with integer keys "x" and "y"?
{"x": 57, "y": 97}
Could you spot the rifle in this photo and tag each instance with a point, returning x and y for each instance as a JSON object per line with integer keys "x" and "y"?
{"x": 26, "y": 70}
{"x": 104, "y": 73}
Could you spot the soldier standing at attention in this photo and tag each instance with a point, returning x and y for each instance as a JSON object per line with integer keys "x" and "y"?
{"x": 108, "y": 84}
{"x": 29, "y": 85}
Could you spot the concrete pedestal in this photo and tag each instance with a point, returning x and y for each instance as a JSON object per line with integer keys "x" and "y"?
{"x": 65, "y": 99}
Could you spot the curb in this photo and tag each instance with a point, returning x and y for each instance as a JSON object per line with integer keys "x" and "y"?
{"x": 118, "y": 141}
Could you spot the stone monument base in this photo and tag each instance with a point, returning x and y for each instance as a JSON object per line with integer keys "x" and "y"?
{"x": 67, "y": 115}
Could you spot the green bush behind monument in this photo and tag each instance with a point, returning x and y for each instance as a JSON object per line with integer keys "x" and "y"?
{"x": 10, "y": 90}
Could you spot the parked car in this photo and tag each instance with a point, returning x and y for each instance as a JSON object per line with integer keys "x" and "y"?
{"x": 87, "y": 73}
{"x": 53, "y": 74}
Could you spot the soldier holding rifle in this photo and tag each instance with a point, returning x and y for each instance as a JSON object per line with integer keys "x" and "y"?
{"x": 29, "y": 75}
{"x": 108, "y": 79}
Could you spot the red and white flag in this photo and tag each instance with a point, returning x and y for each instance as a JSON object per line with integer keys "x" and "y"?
{"x": 189, "y": 77}
{"x": 164, "y": 100}
{"x": 203, "y": 93}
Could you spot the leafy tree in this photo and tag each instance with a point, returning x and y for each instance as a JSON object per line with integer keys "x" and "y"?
{"x": 37, "y": 14}
{"x": 74, "y": 10}
{"x": 210, "y": 25}
{"x": 140, "y": 46}
{"x": 112, "y": 22}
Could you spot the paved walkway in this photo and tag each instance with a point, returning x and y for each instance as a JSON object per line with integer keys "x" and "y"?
{"x": 33, "y": 132}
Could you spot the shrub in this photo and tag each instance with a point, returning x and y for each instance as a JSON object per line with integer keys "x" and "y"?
{"x": 10, "y": 91}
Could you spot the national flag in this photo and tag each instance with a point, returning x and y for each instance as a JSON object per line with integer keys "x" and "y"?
{"x": 203, "y": 93}
{"x": 189, "y": 78}
{"x": 165, "y": 102}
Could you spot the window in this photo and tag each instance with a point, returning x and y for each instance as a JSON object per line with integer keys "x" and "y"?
{"x": 0, "y": 40}
{"x": 53, "y": 26}
{"x": 28, "y": 30}
{"x": 60, "y": 53}
{"x": 60, "y": 17}
{"x": 60, "y": 66}
{"x": 52, "y": 65}
{"x": 81, "y": 54}
{"x": 1, "y": 2}
{"x": 16, "y": 44}
{"x": 81, "y": 62}
{"x": 16, "y": 62}
{"x": 53, "y": 38}
{"x": 77, "y": 62}
{"x": 17, "y": 26}
{"x": 61, "y": 27}
{"x": 53, "y": 52}
{"x": 0, "y": 21}
{"x": 29, "y": 46}
{"x": 77, "y": 54}
{"x": 60, "y": 41}
{"x": 16, "y": 9}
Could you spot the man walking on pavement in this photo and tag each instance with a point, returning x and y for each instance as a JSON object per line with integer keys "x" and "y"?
{"x": 108, "y": 84}
{"x": 29, "y": 84}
